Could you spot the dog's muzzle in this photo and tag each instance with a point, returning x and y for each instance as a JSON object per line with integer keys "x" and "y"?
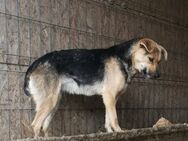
{"x": 151, "y": 75}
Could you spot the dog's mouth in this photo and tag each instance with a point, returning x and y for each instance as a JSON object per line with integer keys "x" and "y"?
{"x": 150, "y": 75}
{"x": 146, "y": 75}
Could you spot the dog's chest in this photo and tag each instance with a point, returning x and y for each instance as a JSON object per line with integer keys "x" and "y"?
{"x": 113, "y": 81}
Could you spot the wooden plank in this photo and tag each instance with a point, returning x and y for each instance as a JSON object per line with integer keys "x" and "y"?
{"x": 63, "y": 13}
{"x": 35, "y": 39}
{"x": 4, "y": 98}
{"x": 64, "y": 38}
{"x": 14, "y": 90}
{"x": 24, "y": 43}
{"x": 15, "y": 130}
{"x": 34, "y": 9}
{"x": 55, "y": 38}
{"x": 54, "y": 11}
{"x": 24, "y": 6}
{"x": 121, "y": 23}
{"x": 105, "y": 20}
{"x": 91, "y": 18}
{"x": 11, "y": 7}
{"x": 99, "y": 120}
{"x": 74, "y": 40}
{"x": 77, "y": 14}
{"x": 97, "y": 42}
{"x": 45, "y": 11}
{"x": 98, "y": 18}
{"x": 45, "y": 39}
{"x": 86, "y": 40}
{"x": 106, "y": 42}
{"x": 12, "y": 39}
{"x": 2, "y": 6}
{"x": 66, "y": 122}
{"x": 3, "y": 43}
{"x": 25, "y": 122}
{"x": 57, "y": 124}
{"x": 25, "y": 101}
{"x": 4, "y": 125}
{"x": 90, "y": 121}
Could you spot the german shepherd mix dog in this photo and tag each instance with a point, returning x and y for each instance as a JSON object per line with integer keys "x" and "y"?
{"x": 104, "y": 72}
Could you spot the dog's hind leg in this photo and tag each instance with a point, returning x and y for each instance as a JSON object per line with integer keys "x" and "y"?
{"x": 48, "y": 119}
{"x": 46, "y": 124}
{"x": 47, "y": 108}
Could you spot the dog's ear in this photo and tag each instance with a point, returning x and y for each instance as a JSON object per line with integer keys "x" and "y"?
{"x": 147, "y": 45}
{"x": 164, "y": 52}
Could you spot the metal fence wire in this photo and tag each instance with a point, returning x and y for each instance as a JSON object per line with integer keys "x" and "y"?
{"x": 30, "y": 29}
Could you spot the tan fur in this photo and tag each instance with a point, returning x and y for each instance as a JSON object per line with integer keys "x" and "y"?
{"x": 46, "y": 97}
{"x": 114, "y": 83}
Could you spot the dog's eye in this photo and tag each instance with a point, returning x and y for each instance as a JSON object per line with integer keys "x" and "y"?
{"x": 151, "y": 59}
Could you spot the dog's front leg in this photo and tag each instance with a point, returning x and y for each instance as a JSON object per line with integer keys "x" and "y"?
{"x": 111, "y": 114}
{"x": 107, "y": 122}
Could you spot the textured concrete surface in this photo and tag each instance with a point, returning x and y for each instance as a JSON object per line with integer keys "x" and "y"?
{"x": 31, "y": 28}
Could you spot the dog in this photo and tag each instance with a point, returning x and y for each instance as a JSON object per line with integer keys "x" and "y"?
{"x": 104, "y": 72}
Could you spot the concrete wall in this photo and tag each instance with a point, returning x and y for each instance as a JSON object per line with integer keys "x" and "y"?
{"x": 31, "y": 28}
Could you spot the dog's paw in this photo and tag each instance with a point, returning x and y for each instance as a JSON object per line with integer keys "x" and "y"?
{"x": 118, "y": 129}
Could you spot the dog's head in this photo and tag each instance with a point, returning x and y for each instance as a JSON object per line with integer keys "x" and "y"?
{"x": 146, "y": 56}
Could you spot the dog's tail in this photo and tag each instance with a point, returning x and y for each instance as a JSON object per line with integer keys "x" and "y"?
{"x": 27, "y": 77}
{"x": 26, "y": 83}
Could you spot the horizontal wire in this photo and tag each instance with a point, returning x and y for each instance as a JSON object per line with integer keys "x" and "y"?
{"x": 97, "y": 108}
{"x": 136, "y": 77}
{"x": 158, "y": 18}
{"x": 60, "y": 26}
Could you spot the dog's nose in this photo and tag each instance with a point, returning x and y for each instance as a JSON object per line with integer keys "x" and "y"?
{"x": 157, "y": 75}
{"x": 144, "y": 71}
